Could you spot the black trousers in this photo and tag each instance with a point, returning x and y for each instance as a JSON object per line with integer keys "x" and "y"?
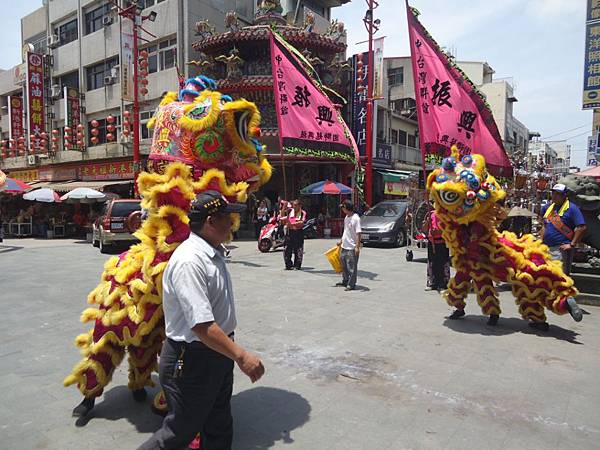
{"x": 199, "y": 400}
{"x": 438, "y": 265}
{"x": 295, "y": 247}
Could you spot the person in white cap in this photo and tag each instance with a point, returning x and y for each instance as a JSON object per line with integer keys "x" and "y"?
{"x": 563, "y": 226}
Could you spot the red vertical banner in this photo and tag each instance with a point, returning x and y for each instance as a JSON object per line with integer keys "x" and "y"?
{"x": 35, "y": 94}
{"x": 309, "y": 123}
{"x": 450, "y": 109}
{"x": 15, "y": 117}
{"x": 72, "y": 116}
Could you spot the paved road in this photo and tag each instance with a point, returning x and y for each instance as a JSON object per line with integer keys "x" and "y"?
{"x": 377, "y": 368}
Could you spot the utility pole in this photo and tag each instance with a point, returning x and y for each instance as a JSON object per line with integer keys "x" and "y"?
{"x": 134, "y": 13}
{"x": 372, "y": 27}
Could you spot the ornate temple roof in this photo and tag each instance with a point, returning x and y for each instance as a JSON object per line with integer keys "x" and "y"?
{"x": 298, "y": 37}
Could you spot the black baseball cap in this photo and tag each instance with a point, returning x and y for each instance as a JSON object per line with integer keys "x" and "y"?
{"x": 211, "y": 202}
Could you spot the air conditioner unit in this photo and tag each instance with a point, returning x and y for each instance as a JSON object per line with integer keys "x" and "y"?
{"x": 31, "y": 160}
{"x": 52, "y": 41}
{"x": 55, "y": 91}
{"x": 108, "y": 80}
{"x": 114, "y": 71}
{"x": 107, "y": 21}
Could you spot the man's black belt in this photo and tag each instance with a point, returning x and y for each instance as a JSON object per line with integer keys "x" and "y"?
{"x": 194, "y": 344}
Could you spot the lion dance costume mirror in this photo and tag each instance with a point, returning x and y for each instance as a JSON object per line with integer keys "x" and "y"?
{"x": 202, "y": 140}
{"x": 467, "y": 201}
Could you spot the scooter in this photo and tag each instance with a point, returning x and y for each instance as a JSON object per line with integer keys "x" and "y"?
{"x": 269, "y": 238}
{"x": 310, "y": 229}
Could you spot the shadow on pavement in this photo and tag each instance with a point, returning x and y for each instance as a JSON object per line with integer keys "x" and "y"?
{"x": 419, "y": 260}
{"x": 361, "y": 273}
{"x": 509, "y": 325}
{"x": 118, "y": 403}
{"x": 9, "y": 248}
{"x": 244, "y": 263}
{"x": 263, "y": 416}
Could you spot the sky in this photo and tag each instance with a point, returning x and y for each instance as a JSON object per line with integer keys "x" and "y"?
{"x": 537, "y": 43}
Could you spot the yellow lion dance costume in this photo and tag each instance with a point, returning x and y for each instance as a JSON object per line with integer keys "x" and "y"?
{"x": 466, "y": 200}
{"x": 202, "y": 140}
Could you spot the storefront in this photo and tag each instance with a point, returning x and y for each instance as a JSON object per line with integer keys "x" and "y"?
{"x": 64, "y": 219}
{"x": 396, "y": 183}
{"x": 114, "y": 176}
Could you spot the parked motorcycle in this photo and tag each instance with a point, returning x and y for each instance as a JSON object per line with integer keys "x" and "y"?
{"x": 269, "y": 238}
{"x": 310, "y": 229}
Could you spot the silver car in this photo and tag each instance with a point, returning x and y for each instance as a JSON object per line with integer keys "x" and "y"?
{"x": 385, "y": 223}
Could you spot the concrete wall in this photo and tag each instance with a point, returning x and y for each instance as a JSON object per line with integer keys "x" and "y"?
{"x": 66, "y": 58}
{"x": 99, "y": 45}
{"x": 406, "y": 90}
{"x": 7, "y": 85}
{"x": 61, "y": 9}
{"x": 495, "y": 94}
{"x": 33, "y": 24}
{"x": 107, "y": 97}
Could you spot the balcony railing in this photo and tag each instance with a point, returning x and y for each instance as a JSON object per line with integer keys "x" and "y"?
{"x": 406, "y": 154}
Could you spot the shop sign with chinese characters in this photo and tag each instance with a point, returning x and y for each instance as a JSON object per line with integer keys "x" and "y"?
{"x": 73, "y": 111}
{"x": 25, "y": 175}
{"x": 107, "y": 171}
{"x": 35, "y": 93}
{"x": 58, "y": 173}
{"x": 15, "y": 117}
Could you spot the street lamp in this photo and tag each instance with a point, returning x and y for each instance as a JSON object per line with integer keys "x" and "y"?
{"x": 134, "y": 13}
{"x": 372, "y": 27}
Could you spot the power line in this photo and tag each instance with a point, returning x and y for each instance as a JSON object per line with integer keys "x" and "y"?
{"x": 577, "y": 135}
{"x": 563, "y": 132}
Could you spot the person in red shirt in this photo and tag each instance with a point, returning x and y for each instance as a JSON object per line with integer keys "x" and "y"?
{"x": 438, "y": 257}
{"x": 295, "y": 243}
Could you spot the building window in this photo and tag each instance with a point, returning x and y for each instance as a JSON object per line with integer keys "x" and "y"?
{"x": 145, "y": 116}
{"x": 401, "y": 137}
{"x": 39, "y": 43}
{"x": 70, "y": 80}
{"x": 67, "y": 32}
{"x": 148, "y": 3}
{"x": 93, "y": 18}
{"x": 95, "y": 74}
{"x": 394, "y": 136}
{"x": 314, "y": 6}
{"x": 162, "y": 56}
{"x": 412, "y": 141}
{"x": 396, "y": 76}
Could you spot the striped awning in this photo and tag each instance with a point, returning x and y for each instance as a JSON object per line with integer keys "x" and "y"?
{"x": 67, "y": 186}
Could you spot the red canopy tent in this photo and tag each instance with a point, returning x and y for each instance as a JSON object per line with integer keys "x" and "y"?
{"x": 593, "y": 172}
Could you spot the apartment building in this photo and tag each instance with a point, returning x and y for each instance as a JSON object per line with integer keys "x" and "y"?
{"x": 556, "y": 155}
{"x": 80, "y": 41}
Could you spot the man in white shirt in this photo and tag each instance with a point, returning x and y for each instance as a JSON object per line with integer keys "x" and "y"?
{"x": 350, "y": 246}
{"x": 196, "y": 363}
